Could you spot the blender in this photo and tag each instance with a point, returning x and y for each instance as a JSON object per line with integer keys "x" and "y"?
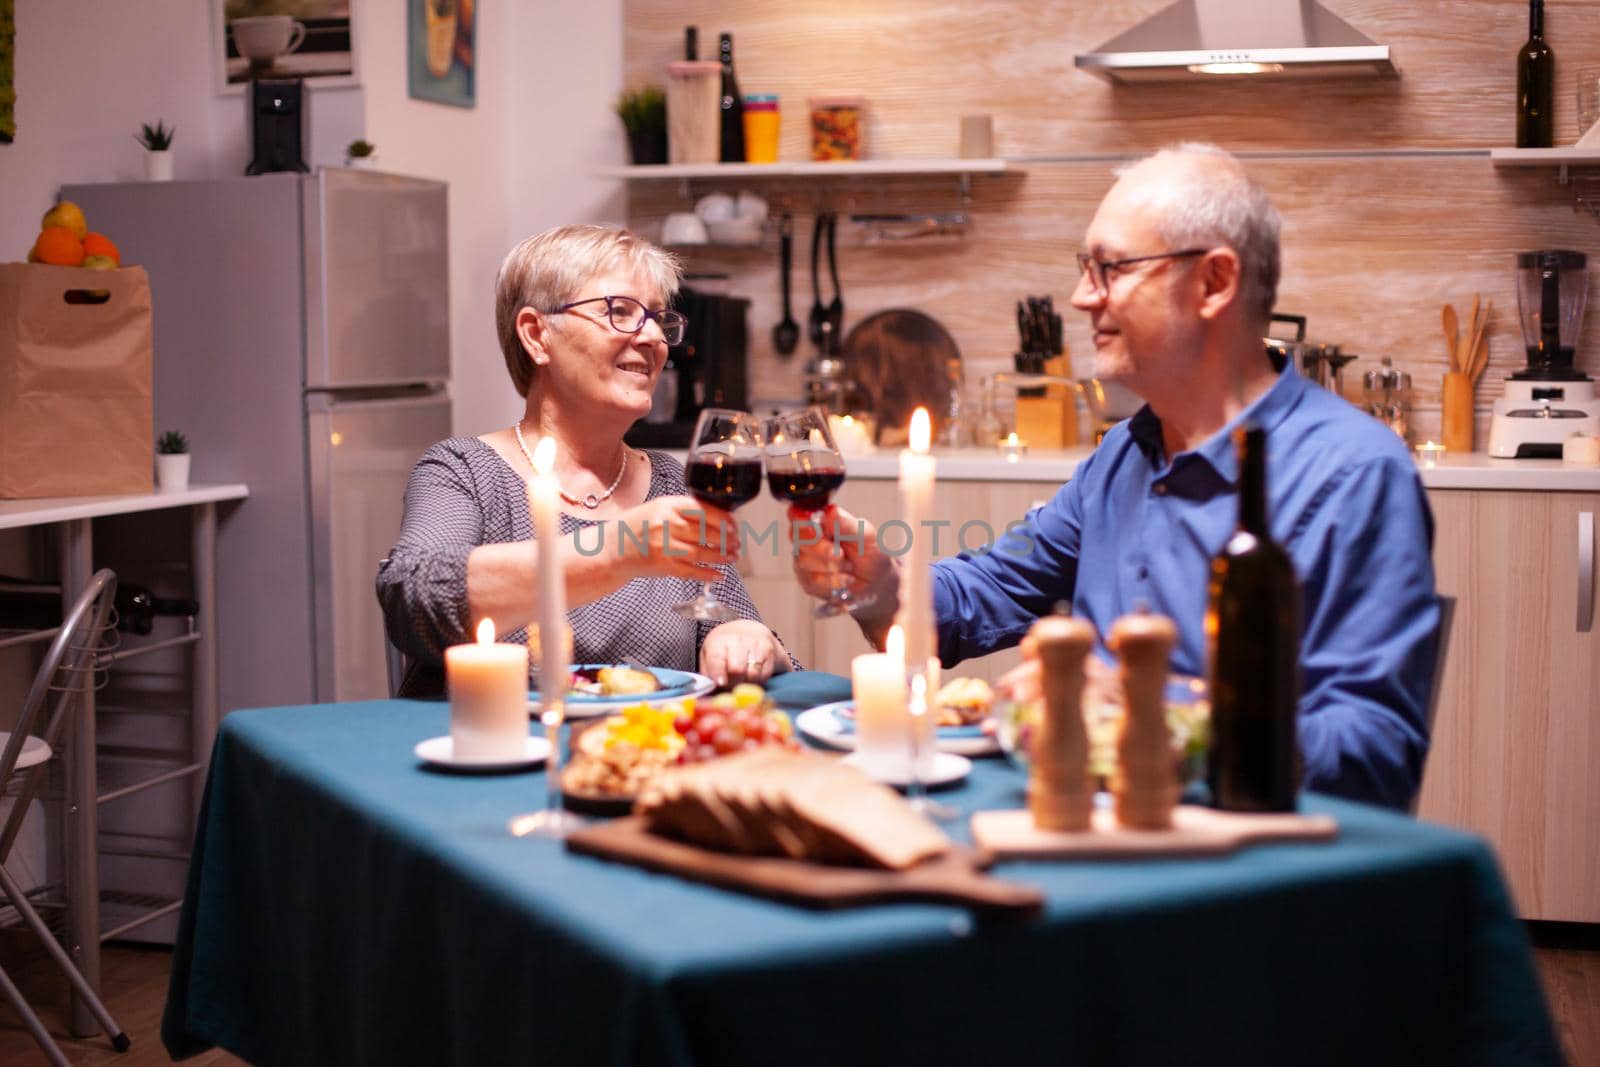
{"x": 1548, "y": 400}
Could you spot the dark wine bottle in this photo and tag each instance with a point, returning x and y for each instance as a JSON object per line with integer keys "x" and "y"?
{"x": 1253, "y": 624}
{"x": 1536, "y": 85}
{"x": 691, "y": 43}
{"x": 732, "y": 107}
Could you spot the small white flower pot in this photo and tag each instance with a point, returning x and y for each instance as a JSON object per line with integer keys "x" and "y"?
{"x": 361, "y": 162}
{"x": 172, "y": 472}
{"x": 158, "y": 165}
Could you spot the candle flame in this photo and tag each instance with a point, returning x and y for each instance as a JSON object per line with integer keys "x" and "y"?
{"x": 544, "y": 455}
{"x": 1011, "y": 438}
{"x": 921, "y": 431}
{"x": 895, "y": 643}
{"x": 486, "y": 632}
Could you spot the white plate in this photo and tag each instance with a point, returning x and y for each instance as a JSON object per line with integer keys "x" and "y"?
{"x": 947, "y": 767}
{"x": 440, "y": 752}
{"x": 676, "y": 685}
{"x": 822, "y": 725}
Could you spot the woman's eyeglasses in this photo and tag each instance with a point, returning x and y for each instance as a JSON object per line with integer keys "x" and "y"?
{"x": 627, "y": 315}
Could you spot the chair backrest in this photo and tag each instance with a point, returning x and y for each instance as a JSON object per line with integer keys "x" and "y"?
{"x": 1447, "y": 615}
{"x": 67, "y": 671}
{"x": 397, "y": 664}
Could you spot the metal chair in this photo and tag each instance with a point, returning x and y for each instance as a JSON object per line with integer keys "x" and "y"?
{"x": 68, "y": 671}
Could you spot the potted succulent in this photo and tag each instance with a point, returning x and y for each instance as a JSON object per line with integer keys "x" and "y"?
{"x": 360, "y": 154}
{"x": 644, "y": 117}
{"x": 172, "y": 462}
{"x": 157, "y": 141}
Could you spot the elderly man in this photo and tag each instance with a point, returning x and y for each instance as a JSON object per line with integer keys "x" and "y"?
{"x": 1178, "y": 280}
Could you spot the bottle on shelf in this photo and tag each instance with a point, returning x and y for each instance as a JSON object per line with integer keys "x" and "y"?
{"x": 1253, "y": 626}
{"x": 732, "y": 107}
{"x": 691, "y": 43}
{"x": 1536, "y": 81}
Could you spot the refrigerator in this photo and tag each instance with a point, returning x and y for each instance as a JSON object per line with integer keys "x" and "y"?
{"x": 302, "y": 343}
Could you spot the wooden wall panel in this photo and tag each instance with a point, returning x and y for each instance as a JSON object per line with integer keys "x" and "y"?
{"x": 1380, "y": 228}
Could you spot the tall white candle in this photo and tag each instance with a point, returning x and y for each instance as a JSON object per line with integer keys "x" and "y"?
{"x": 917, "y": 469}
{"x": 878, "y": 682}
{"x": 488, "y": 685}
{"x": 551, "y": 617}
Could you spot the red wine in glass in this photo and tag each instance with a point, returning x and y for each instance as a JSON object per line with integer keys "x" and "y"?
{"x": 723, "y": 471}
{"x": 805, "y": 467}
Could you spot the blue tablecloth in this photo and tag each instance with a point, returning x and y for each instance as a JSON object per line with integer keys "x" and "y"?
{"x": 348, "y": 906}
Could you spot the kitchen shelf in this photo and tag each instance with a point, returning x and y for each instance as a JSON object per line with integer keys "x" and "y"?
{"x": 807, "y": 169}
{"x": 1507, "y": 158}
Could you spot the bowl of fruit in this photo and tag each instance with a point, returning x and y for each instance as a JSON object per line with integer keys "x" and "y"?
{"x": 617, "y": 756}
{"x": 1188, "y": 718}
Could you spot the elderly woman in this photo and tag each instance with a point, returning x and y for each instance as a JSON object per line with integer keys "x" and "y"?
{"x": 582, "y": 320}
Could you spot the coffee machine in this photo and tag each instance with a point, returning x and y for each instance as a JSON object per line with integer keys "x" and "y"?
{"x": 1549, "y": 399}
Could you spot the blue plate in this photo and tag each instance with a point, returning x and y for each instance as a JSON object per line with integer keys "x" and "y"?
{"x": 845, "y": 712}
{"x": 674, "y": 684}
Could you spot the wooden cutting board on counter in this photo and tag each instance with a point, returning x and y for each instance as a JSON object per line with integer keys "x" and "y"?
{"x": 1195, "y": 831}
{"x": 953, "y": 878}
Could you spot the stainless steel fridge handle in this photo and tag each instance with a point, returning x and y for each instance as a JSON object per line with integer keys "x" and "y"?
{"x": 1585, "y": 571}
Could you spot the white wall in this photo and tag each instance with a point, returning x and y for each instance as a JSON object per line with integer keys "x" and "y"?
{"x": 89, "y": 72}
{"x": 517, "y": 163}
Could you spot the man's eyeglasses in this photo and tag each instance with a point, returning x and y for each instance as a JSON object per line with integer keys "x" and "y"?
{"x": 1102, "y": 272}
{"x": 627, "y": 315}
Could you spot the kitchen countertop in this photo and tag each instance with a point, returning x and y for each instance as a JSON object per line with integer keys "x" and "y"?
{"x": 1474, "y": 471}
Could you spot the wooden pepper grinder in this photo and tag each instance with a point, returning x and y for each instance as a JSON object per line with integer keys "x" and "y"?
{"x": 1145, "y": 786}
{"x": 1060, "y": 791}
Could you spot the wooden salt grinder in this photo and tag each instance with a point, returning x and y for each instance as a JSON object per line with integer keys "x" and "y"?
{"x": 1145, "y": 786}
{"x": 1060, "y": 791}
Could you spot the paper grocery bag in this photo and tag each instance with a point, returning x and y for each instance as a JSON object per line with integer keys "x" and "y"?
{"x": 75, "y": 411}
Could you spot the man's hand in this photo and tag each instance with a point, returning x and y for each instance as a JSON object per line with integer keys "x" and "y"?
{"x": 741, "y": 651}
{"x": 834, "y": 548}
{"x": 674, "y": 537}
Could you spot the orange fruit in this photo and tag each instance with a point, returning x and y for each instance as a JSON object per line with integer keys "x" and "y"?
{"x": 60, "y": 246}
{"x": 98, "y": 244}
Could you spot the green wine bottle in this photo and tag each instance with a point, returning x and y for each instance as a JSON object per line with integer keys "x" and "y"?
{"x": 1253, "y": 627}
{"x": 1536, "y": 85}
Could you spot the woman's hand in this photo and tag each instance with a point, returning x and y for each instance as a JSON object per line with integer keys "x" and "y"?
{"x": 672, "y": 537}
{"x": 741, "y": 651}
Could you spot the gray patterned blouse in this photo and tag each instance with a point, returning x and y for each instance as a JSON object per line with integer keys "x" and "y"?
{"x": 463, "y": 494}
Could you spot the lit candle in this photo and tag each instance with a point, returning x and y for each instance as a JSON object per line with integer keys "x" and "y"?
{"x": 1429, "y": 452}
{"x": 1013, "y": 447}
{"x": 850, "y": 435}
{"x": 878, "y": 683}
{"x": 917, "y": 470}
{"x": 551, "y": 617}
{"x": 488, "y": 686}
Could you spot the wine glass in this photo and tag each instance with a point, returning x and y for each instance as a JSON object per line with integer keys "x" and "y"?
{"x": 917, "y": 705}
{"x": 724, "y": 471}
{"x": 805, "y": 467}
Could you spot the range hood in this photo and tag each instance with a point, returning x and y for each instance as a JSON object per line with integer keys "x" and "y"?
{"x": 1239, "y": 38}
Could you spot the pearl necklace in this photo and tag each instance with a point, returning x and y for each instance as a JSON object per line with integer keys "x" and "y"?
{"x": 591, "y": 501}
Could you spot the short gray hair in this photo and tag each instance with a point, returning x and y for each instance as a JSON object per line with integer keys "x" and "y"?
{"x": 548, "y": 270}
{"x": 1207, "y": 206}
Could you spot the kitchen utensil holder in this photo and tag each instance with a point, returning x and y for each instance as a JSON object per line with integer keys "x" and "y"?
{"x": 1455, "y": 409}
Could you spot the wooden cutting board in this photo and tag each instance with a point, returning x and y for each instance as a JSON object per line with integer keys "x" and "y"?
{"x": 950, "y": 879}
{"x": 1196, "y": 831}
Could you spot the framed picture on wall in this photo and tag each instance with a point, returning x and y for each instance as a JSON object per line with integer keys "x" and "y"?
{"x": 310, "y": 39}
{"x": 441, "y": 60}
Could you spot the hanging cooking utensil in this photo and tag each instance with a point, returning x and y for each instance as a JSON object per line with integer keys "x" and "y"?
{"x": 835, "y": 309}
{"x": 819, "y": 313}
{"x": 786, "y": 334}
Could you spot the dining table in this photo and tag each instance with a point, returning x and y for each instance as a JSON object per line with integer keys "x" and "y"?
{"x": 347, "y": 904}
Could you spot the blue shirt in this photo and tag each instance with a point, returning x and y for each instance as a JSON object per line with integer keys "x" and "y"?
{"x": 1132, "y": 530}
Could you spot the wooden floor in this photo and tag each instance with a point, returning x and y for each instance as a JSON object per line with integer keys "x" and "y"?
{"x": 1568, "y": 955}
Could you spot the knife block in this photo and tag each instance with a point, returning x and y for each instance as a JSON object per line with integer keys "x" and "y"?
{"x": 1051, "y": 420}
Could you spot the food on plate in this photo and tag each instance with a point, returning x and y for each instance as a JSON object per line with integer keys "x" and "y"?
{"x": 621, "y": 753}
{"x": 963, "y": 702}
{"x": 614, "y": 681}
{"x": 1188, "y": 718}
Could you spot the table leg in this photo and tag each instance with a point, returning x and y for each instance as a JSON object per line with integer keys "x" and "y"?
{"x": 81, "y": 825}
{"x": 203, "y": 718}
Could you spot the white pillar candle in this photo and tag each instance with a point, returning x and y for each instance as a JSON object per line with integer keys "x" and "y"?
{"x": 878, "y": 682}
{"x": 554, "y": 667}
{"x": 917, "y": 469}
{"x": 488, "y": 685}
